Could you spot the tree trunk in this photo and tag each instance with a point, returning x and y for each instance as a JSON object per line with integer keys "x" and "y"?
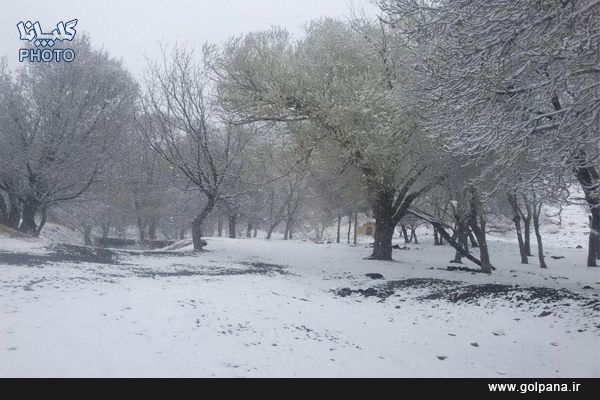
{"x": 14, "y": 215}
{"x": 478, "y": 227}
{"x": 413, "y": 235}
{"x": 436, "y": 239}
{"x": 522, "y": 250}
{"x": 385, "y": 227}
{"x": 538, "y": 236}
{"x": 536, "y": 226}
{"x": 182, "y": 234}
{"x": 87, "y": 234}
{"x": 339, "y": 229}
{"x": 28, "y": 224}
{"x": 598, "y": 252}
{"x": 317, "y": 231}
{"x": 355, "y": 228}
{"x": 512, "y": 199}
{"x": 255, "y": 232}
{"x": 249, "y": 231}
{"x": 288, "y": 229}
{"x": 141, "y": 228}
{"x": 457, "y": 257}
{"x": 474, "y": 243}
{"x": 458, "y": 254}
{"x": 270, "y": 231}
{"x": 405, "y": 234}
{"x": 197, "y": 224}
{"x": 594, "y": 241}
{"x": 232, "y": 226}
{"x": 3, "y": 211}
{"x": 462, "y": 227}
{"x": 273, "y": 226}
{"x": 152, "y": 229}
{"x": 484, "y": 255}
{"x": 526, "y": 217}
{"x": 197, "y": 233}
{"x": 105, "y": 230}
{"x": 589, "y": 178}
{"x": 349, "y": 227}
{"x": 42, "y": 222}
{"x": 527, "y": 233}
{"x": 220, "y": 226}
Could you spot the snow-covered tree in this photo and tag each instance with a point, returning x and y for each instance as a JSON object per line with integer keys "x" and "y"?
{"x": 58, "y": 125}
{"x": 346, "y": 86}
{"x": 511, "y": 82}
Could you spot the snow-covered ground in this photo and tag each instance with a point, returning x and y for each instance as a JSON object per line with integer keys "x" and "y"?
{"x": 235, "y": 312}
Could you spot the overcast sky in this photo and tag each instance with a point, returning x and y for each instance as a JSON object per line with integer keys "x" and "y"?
{"x": 131, "y": 28}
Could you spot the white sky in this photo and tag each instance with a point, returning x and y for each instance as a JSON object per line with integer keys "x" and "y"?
{"x": 132, "y": 28}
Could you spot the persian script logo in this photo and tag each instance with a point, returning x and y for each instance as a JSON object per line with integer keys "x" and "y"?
{"x": 33, "y": 34}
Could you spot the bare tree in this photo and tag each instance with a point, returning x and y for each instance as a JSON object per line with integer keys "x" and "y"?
{"x": 179, "y": 122}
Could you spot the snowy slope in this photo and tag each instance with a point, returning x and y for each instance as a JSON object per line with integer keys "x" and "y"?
{"x": 156, "y": 314}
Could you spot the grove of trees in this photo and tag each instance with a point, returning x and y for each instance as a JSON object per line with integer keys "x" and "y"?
{"x": 465, "y": 117}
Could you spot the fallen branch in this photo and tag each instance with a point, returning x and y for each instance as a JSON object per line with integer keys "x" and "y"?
{"x": 441, "y": 228}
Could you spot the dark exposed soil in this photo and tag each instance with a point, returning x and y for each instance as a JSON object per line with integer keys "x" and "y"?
{"x": 389, "y": 289}
{"x": 474, "y": 293}
{"x": 463, "y": 269}
{"x": 160, "y": 254}
{"x": 61, "y": 253}
{"x": 23, "y": 259}
{"x": 255, "y": 268}
{"x": 458, "y": 292}
{"x": 81, "y": 254}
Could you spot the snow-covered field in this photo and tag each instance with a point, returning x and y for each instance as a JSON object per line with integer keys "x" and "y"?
{"x": 253, "y": 308}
